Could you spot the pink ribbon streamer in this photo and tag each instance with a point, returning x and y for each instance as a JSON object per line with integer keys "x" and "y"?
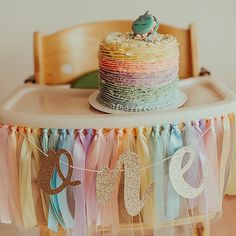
{"x": 203, "y": 199}
{"x": 212, "y": 185}
{"x": 193, "y": 176}
{"x": 79, "y": 159}
{"x": 119, "y": 149}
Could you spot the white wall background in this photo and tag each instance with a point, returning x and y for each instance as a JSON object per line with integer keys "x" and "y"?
{"x": 215, "y": 21}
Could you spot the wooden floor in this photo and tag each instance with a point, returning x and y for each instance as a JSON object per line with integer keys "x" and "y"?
{"x": 226, "y": 226}
{"x": 9, "y": 230}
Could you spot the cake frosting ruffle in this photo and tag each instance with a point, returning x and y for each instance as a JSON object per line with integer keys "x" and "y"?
{"x": 137, "y": 75}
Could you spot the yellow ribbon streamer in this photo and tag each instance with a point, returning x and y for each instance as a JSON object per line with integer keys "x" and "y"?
{"x": 14, "y": 189}
{"x": 27, "y": 202}
{"x": 41, "y": 202}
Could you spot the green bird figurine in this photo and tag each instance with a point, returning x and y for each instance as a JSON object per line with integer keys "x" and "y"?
{"x": 145, "y": 25}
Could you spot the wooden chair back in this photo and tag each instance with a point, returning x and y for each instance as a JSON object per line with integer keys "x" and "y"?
{"x": 188, "y": 66}
{"x": 63, "y": 56}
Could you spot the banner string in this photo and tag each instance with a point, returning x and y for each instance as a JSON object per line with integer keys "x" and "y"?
{"x": 96, "y": 171}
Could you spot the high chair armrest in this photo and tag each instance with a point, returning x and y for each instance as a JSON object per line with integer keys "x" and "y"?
{"x": 204, "y": 72}
{"x": 30, "y": 79}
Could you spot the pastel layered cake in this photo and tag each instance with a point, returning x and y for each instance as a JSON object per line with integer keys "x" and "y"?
{"x": 138, "y": 72}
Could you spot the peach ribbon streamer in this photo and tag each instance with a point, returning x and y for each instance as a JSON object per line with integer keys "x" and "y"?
{"x": 27, "y": 203}
{"x": 231, "y": 186}
{"x": 142, "y": 150}
{"x": 4, "y": 176}
{"x": 232, "y": 141}
{"x": 14, "y": 190}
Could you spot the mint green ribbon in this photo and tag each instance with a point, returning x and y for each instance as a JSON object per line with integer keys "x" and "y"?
{"x": 64, "y": 142}
{"x": 172, "y": 140}
{"x": 54, "y": 215}
{"x": 157, "y": 155}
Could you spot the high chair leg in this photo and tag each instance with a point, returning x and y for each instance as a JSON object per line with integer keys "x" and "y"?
{"x": 44, "y": 231}
{"x": 202, "y": 229}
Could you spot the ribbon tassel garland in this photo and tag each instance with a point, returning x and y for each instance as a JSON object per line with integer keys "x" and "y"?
{"x": 115, "y": 178}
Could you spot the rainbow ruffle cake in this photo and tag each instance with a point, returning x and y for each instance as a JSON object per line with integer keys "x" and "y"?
{"x": 138, "y": 75}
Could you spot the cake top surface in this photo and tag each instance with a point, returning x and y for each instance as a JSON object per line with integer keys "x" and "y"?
{"x": 126, "y": 40}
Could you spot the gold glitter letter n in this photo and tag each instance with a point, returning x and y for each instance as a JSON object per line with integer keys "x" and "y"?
{"x": 106, "y": 179}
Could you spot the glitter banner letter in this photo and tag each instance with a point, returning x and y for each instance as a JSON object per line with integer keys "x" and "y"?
{"x": 48, "y": 164}
{"x": 176, "y": 174}
{"x": 106, "y": 179}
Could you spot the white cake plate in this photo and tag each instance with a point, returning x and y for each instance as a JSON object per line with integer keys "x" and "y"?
{"x": 181, "y": 99}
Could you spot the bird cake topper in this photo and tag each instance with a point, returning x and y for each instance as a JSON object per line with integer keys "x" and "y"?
{"x": 145, "y": 26}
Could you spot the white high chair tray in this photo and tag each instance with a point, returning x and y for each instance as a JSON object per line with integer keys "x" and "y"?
{"x": 56, "y": 107}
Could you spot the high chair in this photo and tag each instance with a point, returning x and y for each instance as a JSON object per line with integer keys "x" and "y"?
{"x": 65, "y": 56}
